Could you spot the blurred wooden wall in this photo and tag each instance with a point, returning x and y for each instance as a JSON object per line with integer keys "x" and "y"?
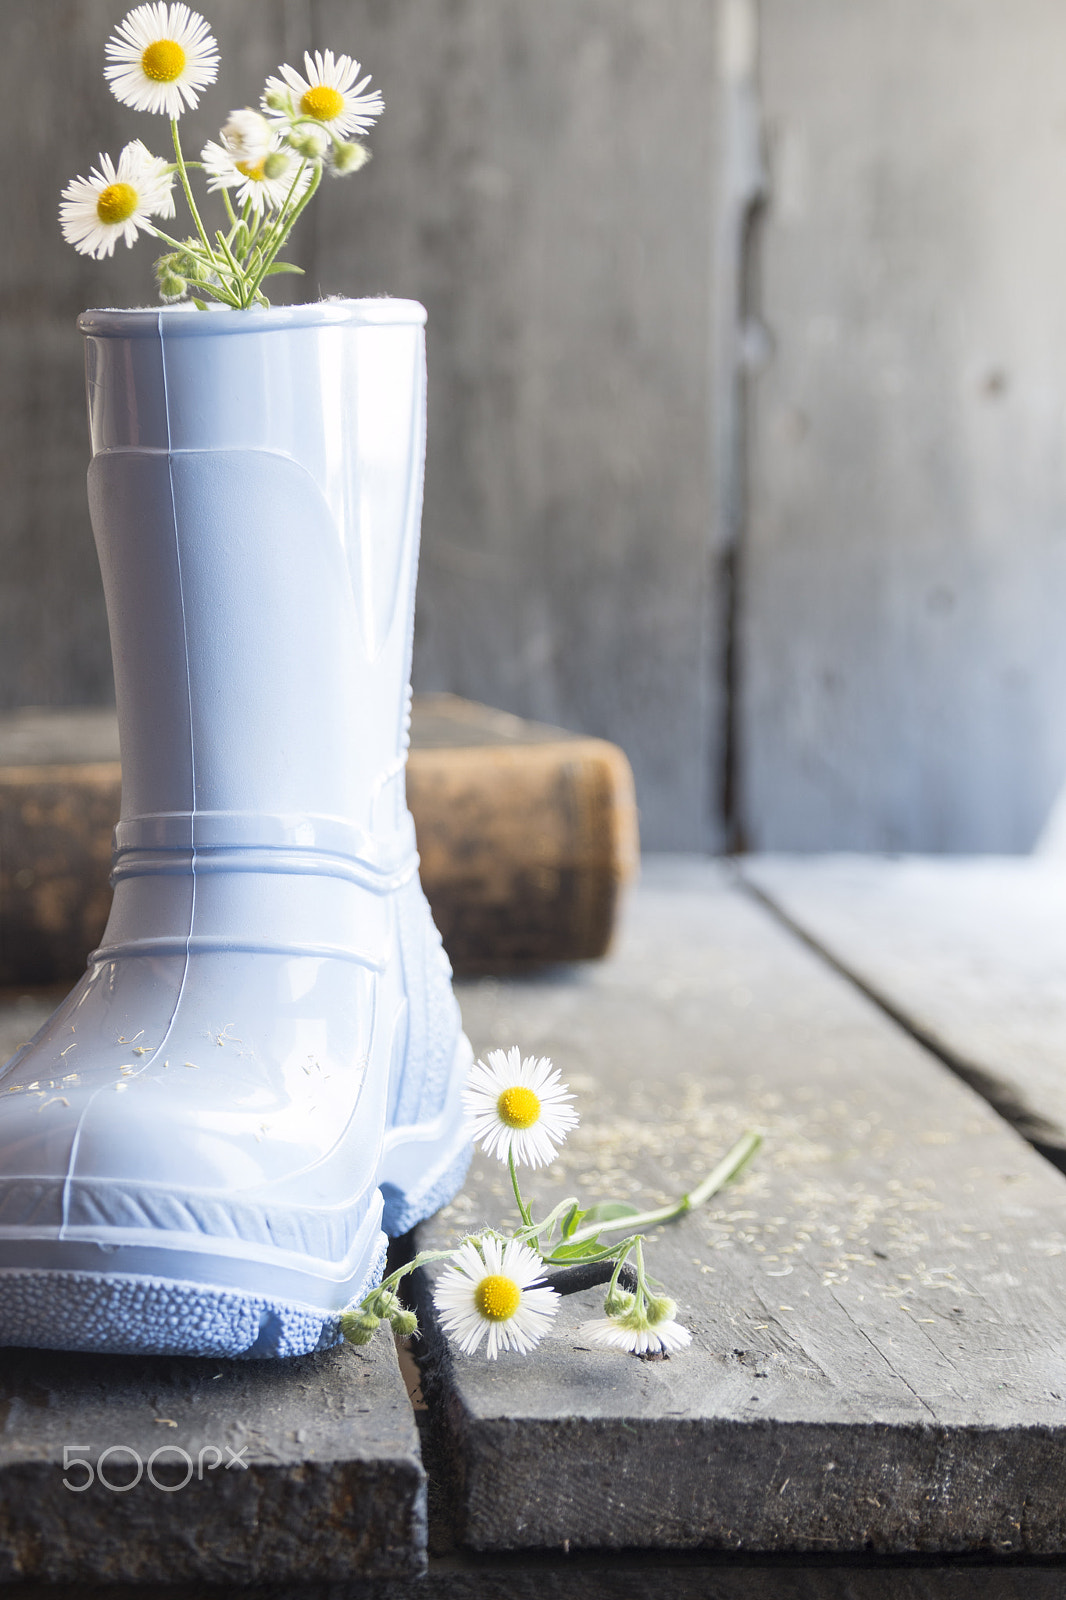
{"x": 776, "y": 501}
{"x": 541, "y": 182}
{"x": 904, "y": 605}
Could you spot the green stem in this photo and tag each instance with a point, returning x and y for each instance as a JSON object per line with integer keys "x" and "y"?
{"x": 727, "y": 1169}
{"x": 523, "y": 1209}
{"x": 252, "y": 223}
{"x": 157, "y": 233}
{"x": 216, "y": 292}
{"x": 607, "y": 1253}
{"x": 279, "y": 234}
{"x": 533, "y": 1230}
{"x": 642, "y": 1287}
{"x": 623, "y": 1257}
{"x": 234, "y": 264}
{"x": 279, "y": 229}
{"x": 184, "y": 175}
{"x": 423, "y": 1259}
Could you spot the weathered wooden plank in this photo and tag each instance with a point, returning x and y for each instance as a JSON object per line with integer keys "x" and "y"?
{"x": 970, "y": 954}
{"x": 543, "y": 181}
{"x": 904, "y": 569}
{"x": 880, "y": 1341}
{"x": 527, "y": 836}
{"x": 635, "y": 1575}
{"x": 641, "y": 1575}
{"x": 302, "y": 1471}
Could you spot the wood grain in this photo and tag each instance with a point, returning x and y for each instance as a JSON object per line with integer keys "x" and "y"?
{"x": 969, "y": 954}
{"x": 543, "y": 181}
{"x": 524, "y": 849}
{"x": 879, "y": 1358}
{"x": 329, "y": 1482}
{"x": 904, "y": 566}
{"x": 527, "y": 836}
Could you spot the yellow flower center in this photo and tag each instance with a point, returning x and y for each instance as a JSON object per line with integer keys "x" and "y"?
{"x": 163, "y": 61}
{"x": 116, "y": 203}
{"x": 322, "y": 103}
{"x": 497, "y": 1298}
{"x": 518, "y": 1107}
{"x": 257, "y": 173}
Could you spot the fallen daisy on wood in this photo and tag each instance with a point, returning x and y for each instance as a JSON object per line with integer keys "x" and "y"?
{"x": 504, "y": 1289}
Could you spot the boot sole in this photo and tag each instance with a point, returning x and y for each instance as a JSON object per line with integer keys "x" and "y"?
{"x": 130, "y": 1314}
{"x": 151, "y": 1305}
{"x": 423, "y": 1165}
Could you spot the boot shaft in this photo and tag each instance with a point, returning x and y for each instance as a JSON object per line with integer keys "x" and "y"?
{"x": 256, "y": 499}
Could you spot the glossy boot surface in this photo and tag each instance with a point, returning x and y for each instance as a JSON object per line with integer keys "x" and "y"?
{"x": 260, "y": 1073}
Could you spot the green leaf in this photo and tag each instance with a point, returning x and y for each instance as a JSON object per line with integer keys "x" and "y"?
{"x": 282, "y": 266}
{"x": 610, "y": 1211}
{"x": 575, "y": 1252}
{"x": 572, "y": 1221}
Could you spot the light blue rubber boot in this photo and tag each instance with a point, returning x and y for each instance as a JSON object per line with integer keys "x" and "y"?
{"x": 259, "y": 1076}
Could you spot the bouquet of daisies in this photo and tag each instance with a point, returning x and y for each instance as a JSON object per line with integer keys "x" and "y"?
{"x": 266, "y": 164}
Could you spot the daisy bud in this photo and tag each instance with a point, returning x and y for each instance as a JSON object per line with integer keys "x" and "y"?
{"x": 309, "y": 142}
{"x": 404, "y": 1323}
{"x": 171, "y": 287}
{"x": 359, "y": 1327}
{"x": 387, "y": 1303}
{"x": 618, "y": 1303}
{"x": 183, "y": 262}
{"x": 276, "y": 164}
{"x": 278, "y": 99}
{"x": 349, "y": 158}
{"x": 661, "y": 1309}
{"x": 381, "y": 1303}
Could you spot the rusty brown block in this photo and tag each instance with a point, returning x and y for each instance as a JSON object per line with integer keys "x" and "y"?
{"x": 527, "y": 835}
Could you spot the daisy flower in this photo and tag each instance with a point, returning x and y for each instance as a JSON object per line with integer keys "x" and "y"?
{"x": 248, "y": 136}
{"x": 329, "y": 94}
{"x": 266, "y": 183}
{"x": 161, "y": 57}
{"x": 488, "y": 1291}
{"x": 518, "y": 1107}
{"x": 115, "y": 201}
{"x": 642, "y": 1332}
